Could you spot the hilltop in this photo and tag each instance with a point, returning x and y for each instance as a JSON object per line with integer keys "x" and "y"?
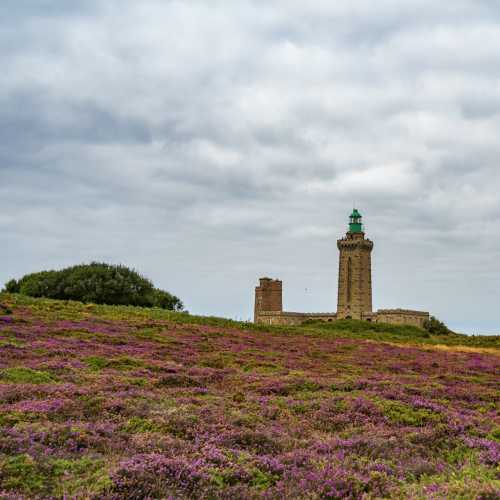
{"x": 126, "y": 402}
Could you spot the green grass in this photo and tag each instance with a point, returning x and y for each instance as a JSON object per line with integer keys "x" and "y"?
{"x": 46, "y": 308}
{"x": 141, "y": 425}
{"x": 471, "y": 481}
{"x": 394, "y": 333}
{"x": 24, "y": 375}
{"x": 11, "y": 342}
{"x": 68, "y": 478}
{"x": 403, "y": 414}
{"x": 123, "y": 363}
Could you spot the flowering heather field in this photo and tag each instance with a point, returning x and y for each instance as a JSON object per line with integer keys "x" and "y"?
{"x": 117, "y": 402}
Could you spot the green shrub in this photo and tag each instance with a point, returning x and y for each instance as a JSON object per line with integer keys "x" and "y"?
{"x": 140, "y": 425}
{"x": 92, "y": 405}
{"x": 4, "y": 309}
{"x": 12, "y": 286}
{"x": 122, "y": 363}
{"x": 400, "y": 413}
{"x": 97, "y": 283}
{"x": 96, "y": 362}
{"x": 12, "y": 418}
{"x": 263, "y": 480}
{"x": 25, "y": 376}
{"x": 21, "y": 472}
{"x": 178, "y": 380}
{"x": 495, "y": 434}
{"x": 165, "y": 300}
{"x": 436, "y": 327}
{"x": 53, "y": 478}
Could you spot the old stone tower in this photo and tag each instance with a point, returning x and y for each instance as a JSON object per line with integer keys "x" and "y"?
{"x": 268, "y": 296}
{"x": 355, "y": 271}
{"x": 354, "y": 290}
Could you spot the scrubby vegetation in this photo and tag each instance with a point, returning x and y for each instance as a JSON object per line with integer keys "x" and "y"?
{"x": 436, "y": 327}
{"x": 397, "y": 333}
{"x": 358, "y": 326}
{"x": 113, "y": 402}
{"x": 98, "y": 283}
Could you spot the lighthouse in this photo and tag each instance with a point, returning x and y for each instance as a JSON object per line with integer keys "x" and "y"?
{"x": 355, "y": 271}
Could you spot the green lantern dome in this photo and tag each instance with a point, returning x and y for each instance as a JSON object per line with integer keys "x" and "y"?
{"x": 355, "y": 224}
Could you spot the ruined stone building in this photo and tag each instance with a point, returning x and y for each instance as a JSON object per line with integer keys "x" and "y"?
{"x": 354, "y": 289}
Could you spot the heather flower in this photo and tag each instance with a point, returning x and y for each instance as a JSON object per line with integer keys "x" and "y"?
{"x": 42, "y": 406}
{"x": 155, "y": 475}
{"x": 490, "y": 450}
{"x": 176, "y": 409}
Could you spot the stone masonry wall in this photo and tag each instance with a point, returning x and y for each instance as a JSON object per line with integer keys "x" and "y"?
{"x": 355, "y": 282}
{"x": 391, "y": 316}
{"x": 402, "y": 317}
{"x": 291, "y": 318}
{"x": 268, "y": 296}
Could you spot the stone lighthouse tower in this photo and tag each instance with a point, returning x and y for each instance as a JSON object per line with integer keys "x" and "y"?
{"x": 355, "y": 272}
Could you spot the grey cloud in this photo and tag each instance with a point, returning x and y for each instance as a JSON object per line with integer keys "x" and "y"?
{"x": 480, "y": 107}
{"x": 30, "y": 120}
{"x": 37, "y": 8}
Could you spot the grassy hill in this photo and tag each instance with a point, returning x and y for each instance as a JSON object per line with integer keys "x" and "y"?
{"x": 122, "y": 402}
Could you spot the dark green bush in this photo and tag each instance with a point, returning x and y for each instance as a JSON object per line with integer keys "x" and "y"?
{"x": 12, "y": 286}
{"x": 165, "y": 300}
{"x": 5, "y": 309}
{"x": 98, "y": 283}
{"x": 436, "y": 327}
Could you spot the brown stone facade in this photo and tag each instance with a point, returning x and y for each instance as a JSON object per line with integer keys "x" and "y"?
{"x": 355, "y": 276}
{"x": 291, "y": 318}
{"x": 268, "y": 296}
{"x": 393, "y": 316}
{"x": 402, "y": 317}
{"x": 354, "y": 292}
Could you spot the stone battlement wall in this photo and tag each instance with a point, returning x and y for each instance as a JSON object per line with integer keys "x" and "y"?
{"x": 392, "y": 316}
{"x": 401, "y": 311}
{"x": 291, "y": 318}
{"x": 402, "y": 317}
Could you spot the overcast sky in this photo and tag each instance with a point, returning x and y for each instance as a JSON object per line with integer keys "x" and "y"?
{"x": 208, "y": 143}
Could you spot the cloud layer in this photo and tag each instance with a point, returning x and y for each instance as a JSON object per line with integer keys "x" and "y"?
{"x": 209, "y": 143}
